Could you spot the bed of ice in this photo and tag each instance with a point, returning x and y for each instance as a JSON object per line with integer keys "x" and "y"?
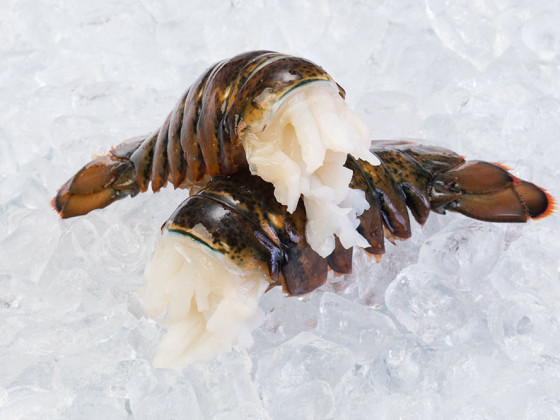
{"x": 460, "y": 322}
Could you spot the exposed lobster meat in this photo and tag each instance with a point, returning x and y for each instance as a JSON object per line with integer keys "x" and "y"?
{"x": 242, "y": 220}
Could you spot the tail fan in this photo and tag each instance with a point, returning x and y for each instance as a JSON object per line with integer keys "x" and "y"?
{"x": 99, "y": 183}
{"x": 486, "y": 191}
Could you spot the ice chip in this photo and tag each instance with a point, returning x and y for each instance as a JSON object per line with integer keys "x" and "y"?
{"x": 359, "y": 328}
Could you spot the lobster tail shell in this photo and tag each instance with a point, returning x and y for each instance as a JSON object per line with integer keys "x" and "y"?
{"x": 201, "y": 136}
{"x": 425, "y": 178}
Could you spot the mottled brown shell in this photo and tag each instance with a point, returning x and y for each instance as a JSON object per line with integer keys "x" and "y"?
{"x": 201, "y": 136}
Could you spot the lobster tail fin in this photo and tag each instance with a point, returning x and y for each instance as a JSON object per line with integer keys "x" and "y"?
{"x": 488, "y": 192}
{"x": 99, "y": 183}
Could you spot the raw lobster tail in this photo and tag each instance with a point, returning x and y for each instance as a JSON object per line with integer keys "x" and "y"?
{"x": 425, "y": 178}
{"x": 239, "y": 217}
{"x": 201, "y": 136}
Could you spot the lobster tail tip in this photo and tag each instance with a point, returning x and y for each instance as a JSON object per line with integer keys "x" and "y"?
{"x": 95, "y": 186}
{"x": 547, "y": 206}
{"x": 56, "y": 206}
{"x": 487, "y": 191}
{"x": 67, "y": 204}
{"x": 537, "y": 201}
{"x": 58, "y": 203}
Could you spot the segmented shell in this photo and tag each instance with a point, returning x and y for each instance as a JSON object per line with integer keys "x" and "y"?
{"x": 201, "y": 136}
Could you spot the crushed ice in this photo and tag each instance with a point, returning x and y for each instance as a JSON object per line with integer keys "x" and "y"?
{"x": 461, "y": 321}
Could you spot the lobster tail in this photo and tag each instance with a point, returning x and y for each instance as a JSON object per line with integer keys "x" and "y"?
{"x": 426, "y": 178}
{"x": 203, "y": 135}
{"x": 488, "y": 192}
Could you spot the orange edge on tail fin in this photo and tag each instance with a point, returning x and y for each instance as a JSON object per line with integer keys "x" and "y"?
{"x": 53, "y": 205}
{"x": 552, "y": 205}
{"x": 551, "y": 208}
{"x": 501, "y": 165}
